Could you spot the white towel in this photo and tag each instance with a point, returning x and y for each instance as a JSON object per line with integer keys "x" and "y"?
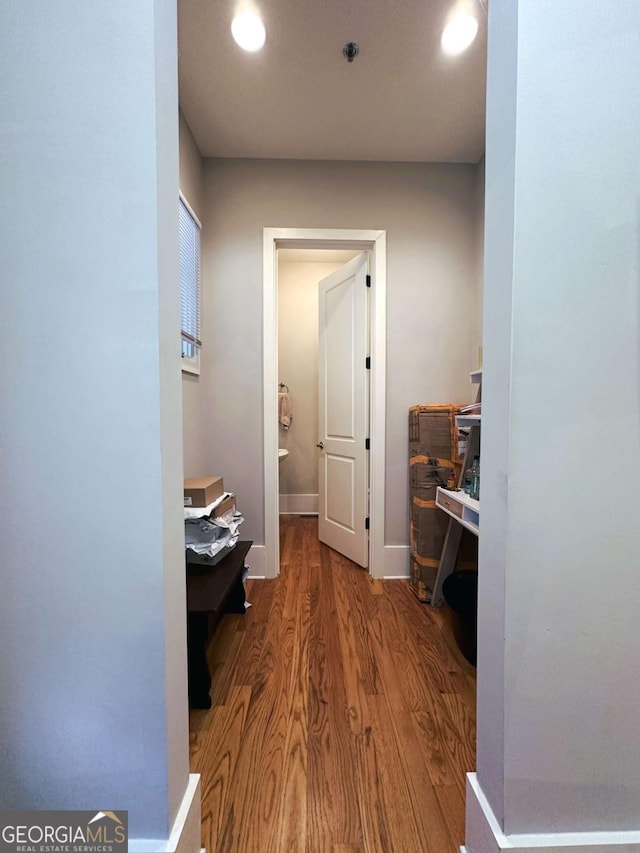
{"x": 285, "y": 414}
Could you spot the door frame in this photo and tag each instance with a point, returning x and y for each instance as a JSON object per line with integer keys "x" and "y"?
{"x": 374, "y": 242}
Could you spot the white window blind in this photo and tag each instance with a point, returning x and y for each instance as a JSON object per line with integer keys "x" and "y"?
{"x": 189, "y": 281}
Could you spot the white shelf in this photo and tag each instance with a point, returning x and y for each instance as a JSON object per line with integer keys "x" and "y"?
{"x": 475, "y": 377}
{"x": 467, "y": 421}
{"x": 462, "y": 508}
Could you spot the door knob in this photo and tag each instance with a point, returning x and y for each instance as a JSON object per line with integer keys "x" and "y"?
{"x": 320, "y": 444}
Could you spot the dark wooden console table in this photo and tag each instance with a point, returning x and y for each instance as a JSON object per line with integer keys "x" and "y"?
{"x": 211, "y": 592}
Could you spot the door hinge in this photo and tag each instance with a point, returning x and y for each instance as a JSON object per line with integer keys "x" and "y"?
{"x": 367, "y": 444}
{"x": 366, "y": 523}
{"x": 367, "y": 362}
{"x": 368, "y": 281}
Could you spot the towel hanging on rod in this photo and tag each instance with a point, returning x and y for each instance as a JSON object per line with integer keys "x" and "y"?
{"x": 285, "y": 413}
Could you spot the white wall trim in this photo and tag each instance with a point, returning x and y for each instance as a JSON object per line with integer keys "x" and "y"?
{"x": 396, "y": 562}
{"x": 185, "y": 832}
{"x": 378, "y": 405}
{"x": 327, "y": 238}
{"x": 270, "y": 402}
{"x": 296, "y": 504}
{"x": 256, "y": 559}
{"x": 483, "y": 833}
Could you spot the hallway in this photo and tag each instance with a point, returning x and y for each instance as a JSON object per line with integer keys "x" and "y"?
{"x": 342, "y": 718}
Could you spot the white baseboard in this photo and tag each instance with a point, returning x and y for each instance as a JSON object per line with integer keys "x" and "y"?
{"x": 396, "y": 562}
{"x": 298, "y": 504}
{"x": 185, "y": 832}
{"x": 396, "y": 558}
{"x": 483, "y": 833}
{"x": 256, "y": 559}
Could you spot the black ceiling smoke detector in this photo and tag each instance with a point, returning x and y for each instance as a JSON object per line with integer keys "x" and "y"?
{"x": 350, "y": 51}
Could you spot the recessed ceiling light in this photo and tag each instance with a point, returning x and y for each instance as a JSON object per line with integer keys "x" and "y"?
{"x": 248, "y": 31}
{"x": 459, "y": 33}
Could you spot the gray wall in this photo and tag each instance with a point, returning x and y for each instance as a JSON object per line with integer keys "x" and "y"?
{"x": 429, "y": 214}
{"x": 558, "y": 692}
{"x": 93, "y": 699}
{"x": 191, "y": 169}
{"x": 496, "y": 389}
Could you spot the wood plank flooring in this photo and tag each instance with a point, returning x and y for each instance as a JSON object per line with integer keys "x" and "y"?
{"x": 343, "y": 716}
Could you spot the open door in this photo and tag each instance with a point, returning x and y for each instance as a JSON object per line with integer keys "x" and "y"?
{"x": 344, "y": 411}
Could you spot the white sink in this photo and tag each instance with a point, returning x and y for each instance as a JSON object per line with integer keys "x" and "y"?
{"x": 282, "y": 454}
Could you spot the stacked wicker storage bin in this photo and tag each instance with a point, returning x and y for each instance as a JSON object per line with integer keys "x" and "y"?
{"x": 433, "y": 452}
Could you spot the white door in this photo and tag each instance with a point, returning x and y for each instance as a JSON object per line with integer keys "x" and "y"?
{"x": 344, "y": 411}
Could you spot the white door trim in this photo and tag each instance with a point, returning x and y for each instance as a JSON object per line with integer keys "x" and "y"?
{"x": 325, "y": 238}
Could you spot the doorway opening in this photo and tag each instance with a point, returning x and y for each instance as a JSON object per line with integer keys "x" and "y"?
{"x": 351, "y": 241}
{"x": 323, "y": 402}
{"x": 299, "y": 274}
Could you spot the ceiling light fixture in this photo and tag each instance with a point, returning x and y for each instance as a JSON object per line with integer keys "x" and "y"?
{"x": 248, "y": 31}
{"x": 459, "y": 33}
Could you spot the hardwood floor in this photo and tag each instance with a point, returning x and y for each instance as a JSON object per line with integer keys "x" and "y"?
{"x": 343, "y": 716}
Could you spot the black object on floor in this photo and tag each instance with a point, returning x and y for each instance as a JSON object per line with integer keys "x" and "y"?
{"x": 460, "y": 591}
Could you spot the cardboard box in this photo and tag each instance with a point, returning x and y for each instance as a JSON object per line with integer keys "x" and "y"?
{"x": 422, "y": 580}
{"x": 433, "y": 432}
{"x": 201, "y": 491}
{"x": 224, "y": 506}
{"x": 427, "y": 530}
{"x": 425, "y": 475}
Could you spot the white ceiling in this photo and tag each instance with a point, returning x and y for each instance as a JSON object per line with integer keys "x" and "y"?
{"x": 402, "y": 99}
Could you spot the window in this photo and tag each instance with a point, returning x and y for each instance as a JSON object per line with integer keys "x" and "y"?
{"x": 189, "y": 287}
